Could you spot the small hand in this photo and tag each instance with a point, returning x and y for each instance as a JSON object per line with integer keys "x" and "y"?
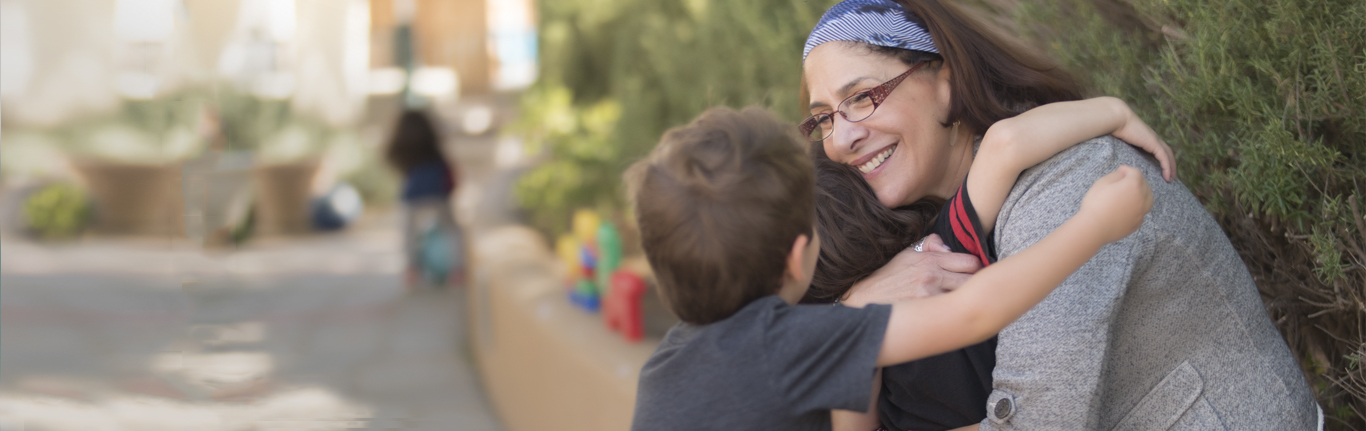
{"x": 1117, "y": 202}
{"x": 1137, "y": 133}
{"x": 911, "y": 274}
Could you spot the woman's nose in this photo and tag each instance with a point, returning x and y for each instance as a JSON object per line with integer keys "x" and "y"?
{"x": 844, "y": 141}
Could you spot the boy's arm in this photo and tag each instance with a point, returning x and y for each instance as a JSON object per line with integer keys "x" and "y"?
{"x": 849, "y": 420}
{"x": 1014, "y": 144}
{"x": 1000, "y": 293}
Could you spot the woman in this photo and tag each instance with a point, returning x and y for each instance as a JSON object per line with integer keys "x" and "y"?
{"x": 1163, "y": 330}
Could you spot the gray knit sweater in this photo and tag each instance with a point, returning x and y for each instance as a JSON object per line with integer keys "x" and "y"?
{"x": 1161, "y": 330}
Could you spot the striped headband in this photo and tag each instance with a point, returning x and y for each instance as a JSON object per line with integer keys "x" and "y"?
{"x": 875, "y": 22}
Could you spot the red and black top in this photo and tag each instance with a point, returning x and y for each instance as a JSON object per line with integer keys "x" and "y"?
{"x": 949, "y": 390}
{"x": 961, "y": 230}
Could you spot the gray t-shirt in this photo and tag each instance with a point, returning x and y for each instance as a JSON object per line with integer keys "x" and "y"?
{"x": 772, "y": 365}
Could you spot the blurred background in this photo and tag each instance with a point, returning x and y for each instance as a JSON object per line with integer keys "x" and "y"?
{"x": 206, "y": 225}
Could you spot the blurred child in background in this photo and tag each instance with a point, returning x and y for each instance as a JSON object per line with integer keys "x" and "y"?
{"x": 432, "y": 241}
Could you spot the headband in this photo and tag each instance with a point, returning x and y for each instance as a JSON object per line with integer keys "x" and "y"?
{"x": 875, "y": 22}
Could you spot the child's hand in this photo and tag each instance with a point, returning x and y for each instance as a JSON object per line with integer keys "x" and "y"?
{"x": 1137, "y": 133}
{"x": 1117, "y": 202}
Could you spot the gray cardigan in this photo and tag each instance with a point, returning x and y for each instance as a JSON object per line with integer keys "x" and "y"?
{"x": 1161, "y": 330}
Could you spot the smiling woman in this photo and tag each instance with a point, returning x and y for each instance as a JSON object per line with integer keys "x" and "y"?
{"x": 905, "y": 94}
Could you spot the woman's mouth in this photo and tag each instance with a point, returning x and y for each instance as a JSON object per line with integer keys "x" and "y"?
{"x": 876, "y": 160}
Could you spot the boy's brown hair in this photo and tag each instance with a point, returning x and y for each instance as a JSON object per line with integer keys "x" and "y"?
{"x": 719, "y": 203}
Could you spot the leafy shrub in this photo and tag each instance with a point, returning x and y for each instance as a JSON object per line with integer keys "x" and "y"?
{"x": 1265, "y": 104}
{"x": 615, "y": 74}
{"x": 57, "y": 211}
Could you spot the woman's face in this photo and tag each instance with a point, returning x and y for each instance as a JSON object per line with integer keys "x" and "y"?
{"x": 903, "y": 150}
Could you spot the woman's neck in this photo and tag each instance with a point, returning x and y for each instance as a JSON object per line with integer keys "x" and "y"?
{"x": 959, "y": 164}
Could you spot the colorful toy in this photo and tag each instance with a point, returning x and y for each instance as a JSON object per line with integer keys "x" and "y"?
{"x": 621, "y": 308}
{"x": 609, "y": 256}
{"x": 568, "y": 251}
{"x": 585, "y": 295}
{"x": 585, "y": 227}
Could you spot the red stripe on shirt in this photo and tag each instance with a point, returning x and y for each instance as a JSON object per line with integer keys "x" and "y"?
{"x": 963, "y": 229}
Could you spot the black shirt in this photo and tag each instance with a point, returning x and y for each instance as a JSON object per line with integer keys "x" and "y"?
{"x": 949, "y": 390}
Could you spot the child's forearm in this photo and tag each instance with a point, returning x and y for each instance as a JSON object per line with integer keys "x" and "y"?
{"x": 991, "y": 299}
{"x": 1014, "y": 144}
{"x": 847, "y": 420}
{"x": 1007, "y": 289}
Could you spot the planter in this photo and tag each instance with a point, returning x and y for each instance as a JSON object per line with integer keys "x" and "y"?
{"x": 133, "y": 199}
{"x": 282, "y": 193}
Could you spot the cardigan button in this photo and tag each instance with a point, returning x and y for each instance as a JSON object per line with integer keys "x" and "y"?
{"x": 1001, "y": 404}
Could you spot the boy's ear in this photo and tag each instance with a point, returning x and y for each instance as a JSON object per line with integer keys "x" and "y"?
{"x": 795, "y": 269}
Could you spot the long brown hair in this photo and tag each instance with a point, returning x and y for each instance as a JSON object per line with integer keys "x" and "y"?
{"x": 858, "y": 234}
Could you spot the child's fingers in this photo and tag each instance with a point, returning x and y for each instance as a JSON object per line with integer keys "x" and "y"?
{"x": 933, "y": 242}
{"x": 1114, "y": 176}
{"x": 1168, "y": 161}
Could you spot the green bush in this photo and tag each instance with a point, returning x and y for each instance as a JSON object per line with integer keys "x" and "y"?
{"x": 1264, "y": 102}
{"x": 615, "y": 74}
{"x": 57, "y": 212}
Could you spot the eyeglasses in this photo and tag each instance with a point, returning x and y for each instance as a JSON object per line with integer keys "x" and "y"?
{"x": 855, "y": 108}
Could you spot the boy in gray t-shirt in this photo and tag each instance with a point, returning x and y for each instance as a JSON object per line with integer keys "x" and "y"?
{"x": 725, "y": 207}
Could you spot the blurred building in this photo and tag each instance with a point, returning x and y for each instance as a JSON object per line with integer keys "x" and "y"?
{"x": 61, "y": 59}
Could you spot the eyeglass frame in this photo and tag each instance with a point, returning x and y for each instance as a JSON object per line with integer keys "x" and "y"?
{"x": 877, "y": 94}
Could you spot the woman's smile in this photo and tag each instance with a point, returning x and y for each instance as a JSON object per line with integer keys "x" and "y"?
{"x": 872, "y": 162}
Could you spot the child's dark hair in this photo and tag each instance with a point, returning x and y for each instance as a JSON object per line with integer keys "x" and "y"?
{"x": 858, "y": 234}
{"x": 719, "y": 203}
{"x": 415, "y": 141}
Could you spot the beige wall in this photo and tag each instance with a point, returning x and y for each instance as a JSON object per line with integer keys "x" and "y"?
{"x": 545, "y": 364}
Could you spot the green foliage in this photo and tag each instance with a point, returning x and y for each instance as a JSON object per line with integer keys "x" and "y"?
{"x": 58, "y": 211}
{"x": 615, "y": 74}
{"x": 1265, "y": 104}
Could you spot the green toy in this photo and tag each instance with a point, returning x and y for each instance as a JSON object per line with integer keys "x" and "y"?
{"x": 609, "y": 256}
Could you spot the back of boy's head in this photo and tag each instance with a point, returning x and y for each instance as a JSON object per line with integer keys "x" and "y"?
{"x": 719, "y": 203}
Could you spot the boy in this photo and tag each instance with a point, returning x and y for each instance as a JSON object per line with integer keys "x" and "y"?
{"x": 725, "y": 209}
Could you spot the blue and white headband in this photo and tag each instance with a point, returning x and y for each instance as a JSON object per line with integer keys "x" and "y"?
{"x": 875, "y": 22}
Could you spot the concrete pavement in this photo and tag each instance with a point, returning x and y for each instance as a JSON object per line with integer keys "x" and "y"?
{"x": 306, "y": 334}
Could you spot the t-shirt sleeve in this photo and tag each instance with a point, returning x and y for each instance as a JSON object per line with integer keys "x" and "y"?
{"x": 961, "y": 229}
{"x": 823, "y": 357}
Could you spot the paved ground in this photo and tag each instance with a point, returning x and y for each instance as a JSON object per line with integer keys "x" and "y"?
{"x": 312, "y": 333}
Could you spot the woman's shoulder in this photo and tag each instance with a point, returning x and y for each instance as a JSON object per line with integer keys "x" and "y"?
{"x": 1081, "y": 165}
{"x": 1062, "y": 180}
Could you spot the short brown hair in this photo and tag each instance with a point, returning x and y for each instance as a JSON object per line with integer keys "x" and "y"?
{"x": 719, "y": 203}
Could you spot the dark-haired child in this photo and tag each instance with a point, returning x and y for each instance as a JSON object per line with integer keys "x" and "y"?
{"x": 432, "y": 242}
{"x": 725, "y": 209}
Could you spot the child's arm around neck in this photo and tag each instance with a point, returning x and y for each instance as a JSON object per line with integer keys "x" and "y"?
{"x": 1014, "y": 144}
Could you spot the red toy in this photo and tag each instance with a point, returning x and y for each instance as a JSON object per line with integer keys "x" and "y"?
{"x": 621, "y": 307}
